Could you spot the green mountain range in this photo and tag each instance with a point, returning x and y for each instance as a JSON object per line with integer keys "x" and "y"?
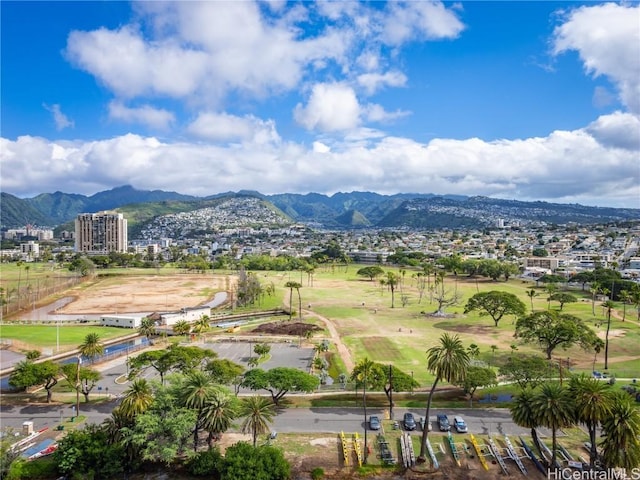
{"x": 341, "y": 210}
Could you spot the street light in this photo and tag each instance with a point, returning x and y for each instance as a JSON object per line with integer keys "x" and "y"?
{"x": 78, "y": 386}
{"x": 411, "y": 382}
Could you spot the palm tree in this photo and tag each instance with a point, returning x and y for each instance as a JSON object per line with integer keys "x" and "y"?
{"x": 147, "y": 328}
{"x": 196, "y": 392}
{"x": 91, "y": 348}
{"x": 202, "y": 324}
{"x": 625, "y": 298}
{"x": 525, "y": 416}
{"x": 531, "y": 293}
{"x": 291, "y": 285}
{"x": 218, "y": 415}
{"x": 594, "y": 289}
{"x": 592, "y": 402}
{"x": 447, "y": 361}
{"x": 363, "y": 373}
{"x": 137, "y": 398}
{"x": 391, "y": 280}
{"x": 621, "y": 434}
{"x": 258, "y": 412}
{"x": 553, "y": 407}
{"x": 608, "y": 305}
{"x": 181, "y": 328}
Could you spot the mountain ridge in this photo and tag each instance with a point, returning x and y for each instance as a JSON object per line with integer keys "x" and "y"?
{"x": 341, "y": 210}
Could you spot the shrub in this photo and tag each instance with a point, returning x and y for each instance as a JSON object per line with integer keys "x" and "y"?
{"x": 317, "y": 473}
{"x": 206, "y": 463}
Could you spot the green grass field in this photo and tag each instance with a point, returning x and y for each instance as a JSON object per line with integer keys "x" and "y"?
{"x": 362, "y": 313}
{"x": 44, "y": 336}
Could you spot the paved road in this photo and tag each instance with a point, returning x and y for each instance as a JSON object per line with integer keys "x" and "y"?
{"x": 292, "y": 420}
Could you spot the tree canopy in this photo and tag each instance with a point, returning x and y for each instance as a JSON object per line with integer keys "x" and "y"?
{"x": 496, "y": 304}
{"x": 475, "y": 378}
{"x": 279, "y": 381}
{"x": 552, "y": 329}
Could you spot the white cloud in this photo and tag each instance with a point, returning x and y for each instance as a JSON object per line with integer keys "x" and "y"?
{"x": 567, "y": 166}
{"x": 607, "y": 38}
{"x": 59, "y": 118}
{"x": 618, "y": 130}
{"x": 425, "y": 20}
{"x": 146, "y": 115}
{"x": 223, "y": 127}
{"x": 373, "y": 82}
{"x": 331, "y": 107}
{"x": 376, "y": 113}
{"x": 319, "y": 147}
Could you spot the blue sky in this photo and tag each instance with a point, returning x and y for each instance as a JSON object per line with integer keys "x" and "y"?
{"x": 526, "y": 100}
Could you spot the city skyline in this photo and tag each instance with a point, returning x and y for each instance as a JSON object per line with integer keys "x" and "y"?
{"x": 522, "y": 100}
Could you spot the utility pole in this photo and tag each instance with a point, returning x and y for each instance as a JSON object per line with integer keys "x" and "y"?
{"x": 390, "y": 392}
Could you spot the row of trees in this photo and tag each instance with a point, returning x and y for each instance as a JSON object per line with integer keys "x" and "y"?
{"x": 584, "y": 401}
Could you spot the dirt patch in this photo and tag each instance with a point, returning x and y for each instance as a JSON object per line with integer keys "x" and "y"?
{"x": 612, "y": 334}
{"x": 128, "y": 294}
{"x": 287, "y": 328}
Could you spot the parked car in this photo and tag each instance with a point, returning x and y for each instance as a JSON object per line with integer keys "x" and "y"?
{"x": 443, "y": 423}
{"x": 374, "y": 422}
{"x": 460, "y": 425}
{"x": 409, "y": 422}
{"x": 423, "y": 424}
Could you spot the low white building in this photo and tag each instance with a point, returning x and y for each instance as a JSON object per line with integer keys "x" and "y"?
{"x": 124, "y": 321}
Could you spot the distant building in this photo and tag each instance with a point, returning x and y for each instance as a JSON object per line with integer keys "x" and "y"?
{"x": 546, "y": 263}
{"x": 101, "y": 233}
{"x": 30, "y": 250}
{"x": 123, "y": 321}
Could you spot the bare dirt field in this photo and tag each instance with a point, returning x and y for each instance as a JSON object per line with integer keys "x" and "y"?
{"x": 124, "y": 294}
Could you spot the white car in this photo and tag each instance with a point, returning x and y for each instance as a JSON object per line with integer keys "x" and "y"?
{"x": 460, "y": 425}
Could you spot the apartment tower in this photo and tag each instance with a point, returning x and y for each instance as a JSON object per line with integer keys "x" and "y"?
{"x": 101, "y": 233}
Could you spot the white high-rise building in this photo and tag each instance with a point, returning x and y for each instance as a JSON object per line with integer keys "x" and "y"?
{"x": 101, "y": 233}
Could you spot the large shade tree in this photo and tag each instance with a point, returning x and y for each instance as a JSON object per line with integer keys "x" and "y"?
{"x": 279, "y": 381}
{"x": 447, "y": 361}
{"x": 496, "y": 304}
{"x": 551, "y": 329}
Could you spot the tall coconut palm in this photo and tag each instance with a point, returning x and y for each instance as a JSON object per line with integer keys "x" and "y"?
{"x": 621, "y": 434}
{"x": 392, "y": 280}
{"x": 137, "y": 398}
{"x": 363, "y": 373}
{"x": 592, "y": 403}
{"x": 609, "y": 306}
{"x": 91, "y": 348}
{"x": 553, "y": 408}
{"x": 291, "y": 285}
{"x": 447, "y": 361}
{"x": 531, "y": 293}
{"x": 219, "y": 413}
{"x": 258, "y": 412}
{"x": 525, "y": 415}
{"x": 196, "y": 393}
{"x": 625, "y": 298}
{"x": 594, "y": 289}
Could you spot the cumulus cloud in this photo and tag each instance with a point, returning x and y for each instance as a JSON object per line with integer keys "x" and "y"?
{"x": 607, "y": 39}
{"x": 59, "y": 118}
{"x": 331, "y": 107}
{"x": 618, "y": 130}
{"x": 581, "y": 165}
{"x": 223, "y": 127}
{"x": 408, "y": 21}
{"x": 373, "y": 82}
{"x": 145, "y": 115}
